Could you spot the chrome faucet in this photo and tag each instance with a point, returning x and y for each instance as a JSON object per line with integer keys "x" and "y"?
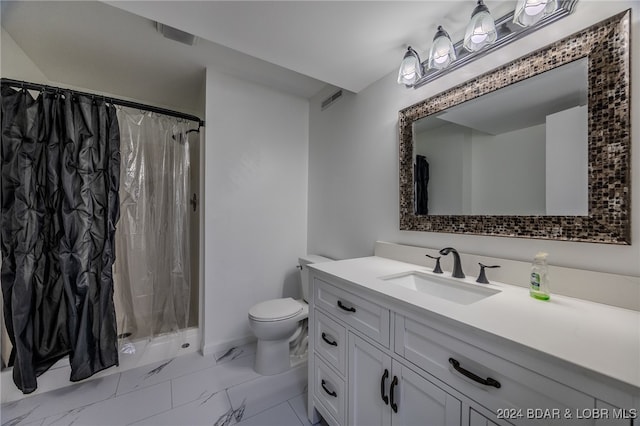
{"x": 457, "y": 266}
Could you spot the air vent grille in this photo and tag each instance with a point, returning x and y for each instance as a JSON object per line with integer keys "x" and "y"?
{"x": 331, "y": 99}
{"x": 176, "y": 34}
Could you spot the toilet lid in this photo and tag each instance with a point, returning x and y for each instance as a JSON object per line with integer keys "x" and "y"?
{"x": 275, "y": 309}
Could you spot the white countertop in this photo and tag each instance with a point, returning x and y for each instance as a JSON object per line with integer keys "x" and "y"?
{"x": 598, "y": 337}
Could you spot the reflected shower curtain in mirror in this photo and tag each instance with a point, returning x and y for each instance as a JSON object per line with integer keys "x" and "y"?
{"x": 60, "y": 161}
{"x": 152, "y": 271}
{"x": 422, "y": 185}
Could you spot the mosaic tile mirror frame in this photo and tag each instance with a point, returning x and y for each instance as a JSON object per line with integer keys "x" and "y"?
{"x": 606, "y": 47}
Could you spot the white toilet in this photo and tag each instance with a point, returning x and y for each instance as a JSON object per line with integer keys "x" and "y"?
{"x": 276, "y": 322}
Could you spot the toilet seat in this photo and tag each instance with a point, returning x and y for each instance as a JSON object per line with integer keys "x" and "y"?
{"x": 275, "y": 310}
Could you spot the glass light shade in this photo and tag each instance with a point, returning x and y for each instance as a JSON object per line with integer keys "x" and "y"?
{"x": 442, "y": 52}
{"x": 481, "y": 30}
{"x": 410, "y": 68}
{"x": 528, "y": 12}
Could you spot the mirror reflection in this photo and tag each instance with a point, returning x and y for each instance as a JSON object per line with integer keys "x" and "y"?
{"x": 518, "y": 151}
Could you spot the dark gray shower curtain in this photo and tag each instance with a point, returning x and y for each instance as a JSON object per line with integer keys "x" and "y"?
{"x": 60, "y": 160}
{"x": 421, "y": 185}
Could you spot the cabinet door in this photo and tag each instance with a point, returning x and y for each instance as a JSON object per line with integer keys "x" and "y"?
{"x": 477, "y": 419}
{"x": 367, "y": 366}
{"x": 608, "y": 415}
{"x": 417, "y": 401}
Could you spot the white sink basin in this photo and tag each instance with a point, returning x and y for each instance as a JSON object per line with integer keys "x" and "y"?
{"x": 442, "y": 287}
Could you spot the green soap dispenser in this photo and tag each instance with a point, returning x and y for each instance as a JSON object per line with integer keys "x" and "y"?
{"x": 539, "y": 284}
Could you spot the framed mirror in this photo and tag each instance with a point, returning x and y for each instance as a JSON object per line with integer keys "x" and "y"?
{"x": 538, "y": 148}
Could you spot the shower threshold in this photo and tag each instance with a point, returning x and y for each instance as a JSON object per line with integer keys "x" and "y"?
{"x": 141, "y": 352}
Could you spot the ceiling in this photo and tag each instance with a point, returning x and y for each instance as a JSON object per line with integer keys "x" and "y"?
{"x": 519, "y": 106}
{"x": 294, "y": 46}
{"x": 349, "y": 44}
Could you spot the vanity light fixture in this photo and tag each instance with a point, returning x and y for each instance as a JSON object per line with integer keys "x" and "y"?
{"x": 528, "y": 12}
{"x": 410, "y": 68}
{"x": 481, "y": 30}
{"x": 444, "y": 56}
{"x": 442, "y": 52}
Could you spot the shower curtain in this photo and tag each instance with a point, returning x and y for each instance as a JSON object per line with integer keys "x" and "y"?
{"x": 60, "y": 168}
{"x": 152, "y": 270}
{"x": 421, "y": 185}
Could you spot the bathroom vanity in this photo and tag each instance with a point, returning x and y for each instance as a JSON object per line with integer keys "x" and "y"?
{"x": 391, "y": 343}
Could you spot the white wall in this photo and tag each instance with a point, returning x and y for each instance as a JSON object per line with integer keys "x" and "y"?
{"x": 509, "y": 172}
{"x": 448, "y": 150}
{"x": 472, "y": 172}
{"x": 567, "y": 156}
{"x": 255, "y": 202}
{"x": 15, "y": 64}
{"x": 353, "y": 166}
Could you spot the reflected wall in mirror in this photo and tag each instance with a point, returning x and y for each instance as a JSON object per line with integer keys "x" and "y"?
{"x": 520, "y": 150}
{"x": 538, "y": 148}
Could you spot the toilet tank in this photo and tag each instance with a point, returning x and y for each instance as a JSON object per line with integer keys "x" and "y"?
{"x": 304, "y": 271}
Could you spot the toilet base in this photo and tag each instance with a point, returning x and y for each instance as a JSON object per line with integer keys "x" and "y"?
{"x": 272, "y": 357}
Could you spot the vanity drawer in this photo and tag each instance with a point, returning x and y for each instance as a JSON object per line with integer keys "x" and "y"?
{"x": 330, "y": 390}
{"x": 519, "y": 388}
{"x": 364, "y": 316}
{"x": 331, "y": 341}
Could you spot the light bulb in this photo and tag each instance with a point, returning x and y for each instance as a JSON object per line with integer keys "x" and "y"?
{"x": 478, "y": 38}
{"x": 534, "y": 9}
{"x": 410, "y": 68}
{"x": 442, "y": 52}
{"x": 481, "y": 29}
{"x": 528, "y": 12}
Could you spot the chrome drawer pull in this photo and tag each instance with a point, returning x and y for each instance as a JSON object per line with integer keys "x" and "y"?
{"x": 344, "y": 308}
{"x": 324, "y": 337}
{"x": 385, "y": 398}
{"x": 330, "y": 393}
{"x": 487, "y": 382}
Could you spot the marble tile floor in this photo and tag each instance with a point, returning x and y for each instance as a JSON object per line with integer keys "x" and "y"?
{"x": 220, "y": 390}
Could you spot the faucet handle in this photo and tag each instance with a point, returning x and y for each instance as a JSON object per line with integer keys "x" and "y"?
{"x": 437, "y": 269}
{"x": 482, "y": 278}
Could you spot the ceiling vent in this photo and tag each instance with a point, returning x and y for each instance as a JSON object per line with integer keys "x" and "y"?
{"x": 331, "y": 99}
{"x": 176, "y": 34}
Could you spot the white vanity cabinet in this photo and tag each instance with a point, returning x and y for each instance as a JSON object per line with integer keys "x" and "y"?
{"x": 375, "y": 361}
{"x": 359, "y": 382}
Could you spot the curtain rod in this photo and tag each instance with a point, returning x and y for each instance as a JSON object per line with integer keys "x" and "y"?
{"x": 122, "y": 102}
